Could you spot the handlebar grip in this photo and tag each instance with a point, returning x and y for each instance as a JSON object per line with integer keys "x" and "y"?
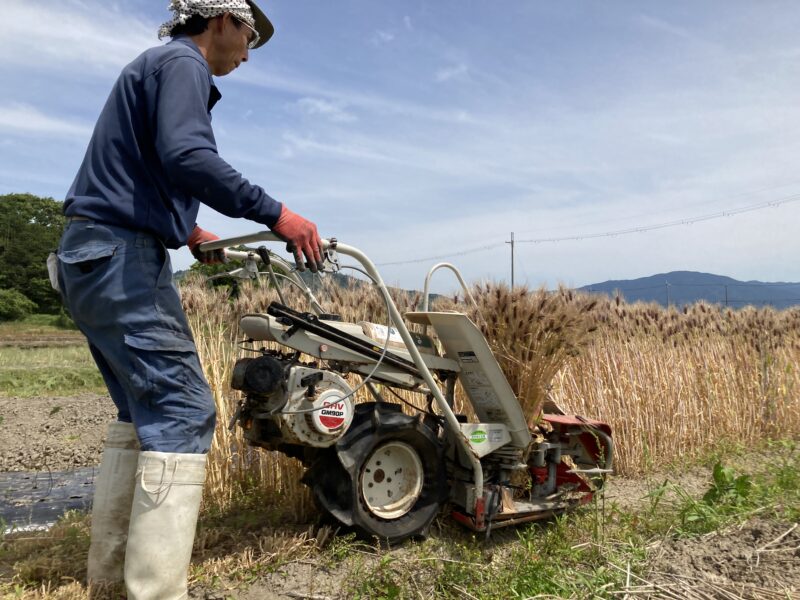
{"x": 262, "y": 236}
{"x": 264, "y": 254}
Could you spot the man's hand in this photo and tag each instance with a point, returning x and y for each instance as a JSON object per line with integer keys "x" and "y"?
{"x": 301, "y": 238}
{"x": 197, "y": 237}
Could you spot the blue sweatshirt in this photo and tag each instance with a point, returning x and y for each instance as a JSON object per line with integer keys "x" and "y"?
{"x": 152, "y": 157}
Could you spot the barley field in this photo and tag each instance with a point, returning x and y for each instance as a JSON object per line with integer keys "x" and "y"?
{"x": 672, "y": 383}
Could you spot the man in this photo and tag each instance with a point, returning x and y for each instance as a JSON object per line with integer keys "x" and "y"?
{"x": 151, "y": 160}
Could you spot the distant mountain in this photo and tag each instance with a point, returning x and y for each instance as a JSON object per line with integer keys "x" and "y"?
{"x": 687, "y": 287}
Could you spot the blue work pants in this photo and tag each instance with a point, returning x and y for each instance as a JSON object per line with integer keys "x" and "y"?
{"x": 117, "y": 285}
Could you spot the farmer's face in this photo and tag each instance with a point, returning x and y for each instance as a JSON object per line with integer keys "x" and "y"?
{"x": 229, "y": 48}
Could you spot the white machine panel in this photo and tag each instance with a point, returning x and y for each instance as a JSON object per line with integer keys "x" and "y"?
{"x": 483, "y": 380}
{"x": 485, "y": 438}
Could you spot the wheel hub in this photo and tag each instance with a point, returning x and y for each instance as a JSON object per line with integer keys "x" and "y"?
{"x": 391, "y": 480}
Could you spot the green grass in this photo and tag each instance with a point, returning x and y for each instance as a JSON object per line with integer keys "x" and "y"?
{"x": 588, "y": 553}
{"x": 45, "y": 371}
{"x": 37, "y": 324}
{"x": 561, "y": 558}
{"x": 585, "y": 554}
{"x": 44, "y": 357}
{"x": 39, "y": 357}
{"x": 24, "y": 383}
{"x": 772, "y": 489}
{"x": 45, "y": 557}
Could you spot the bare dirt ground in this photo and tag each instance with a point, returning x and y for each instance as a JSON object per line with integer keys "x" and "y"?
{"x": 750, "y": 561}
{"x": 55, "y": 434}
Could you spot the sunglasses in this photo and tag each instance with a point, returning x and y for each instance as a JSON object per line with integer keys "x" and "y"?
{"x": 253, "y": 38}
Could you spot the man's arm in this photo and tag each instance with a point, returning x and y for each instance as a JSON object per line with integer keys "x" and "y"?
{"x": 186, "y": 146}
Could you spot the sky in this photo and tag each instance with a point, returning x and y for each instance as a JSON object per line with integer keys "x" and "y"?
{"x": 423, "y": 131}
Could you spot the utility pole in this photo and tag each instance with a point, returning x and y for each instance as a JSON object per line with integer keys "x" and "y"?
{"x": 666, "y": 287}
{"x": 726, "y": 295}
{"x": 512, "y": 259}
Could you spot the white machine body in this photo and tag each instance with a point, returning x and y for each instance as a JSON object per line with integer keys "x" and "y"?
{"x": 485, "y": 438}
{"x": 486, "y": 386}
{"x": 318, "y": 420}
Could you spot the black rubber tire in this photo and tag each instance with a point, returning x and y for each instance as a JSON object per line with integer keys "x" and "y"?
{"x": 335, "y": 475}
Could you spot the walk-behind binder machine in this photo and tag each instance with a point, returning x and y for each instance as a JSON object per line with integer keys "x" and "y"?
{"x": 374, "y": 468}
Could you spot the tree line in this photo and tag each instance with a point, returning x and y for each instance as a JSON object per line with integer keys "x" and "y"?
{"x": 30, "y": 228}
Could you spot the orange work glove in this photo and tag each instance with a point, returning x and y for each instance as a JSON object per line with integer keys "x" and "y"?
{"x": 197, "y": 237}
{"x": 301, "y": 238}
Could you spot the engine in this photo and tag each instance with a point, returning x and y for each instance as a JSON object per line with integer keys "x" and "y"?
{"x": 287, "y": 403}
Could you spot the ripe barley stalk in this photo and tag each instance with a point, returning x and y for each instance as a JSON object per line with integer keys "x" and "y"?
{"x": 672, "y": 384}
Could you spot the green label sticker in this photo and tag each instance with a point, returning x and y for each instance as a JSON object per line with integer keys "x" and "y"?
{"x": 478, "y": 436}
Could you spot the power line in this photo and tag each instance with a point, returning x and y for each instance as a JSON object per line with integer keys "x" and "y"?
{"x": 636, "y": 216}
{"x": 441, "y": 256}
{"x": 577, "y": 238}
{"x": 665, "y": 225}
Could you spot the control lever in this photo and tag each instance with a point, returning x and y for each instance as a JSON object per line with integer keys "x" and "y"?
{"x": 263, "y": 253}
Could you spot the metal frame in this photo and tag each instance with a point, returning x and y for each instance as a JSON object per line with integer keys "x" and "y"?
{"x": 263, "y": 236}
{"x": 399, "y": 323}
{"x": 454, "y": 269}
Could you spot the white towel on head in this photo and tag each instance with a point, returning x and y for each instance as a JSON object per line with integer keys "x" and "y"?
{"x": 182, "y": 10}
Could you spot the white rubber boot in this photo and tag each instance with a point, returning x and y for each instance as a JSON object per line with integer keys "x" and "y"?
{"x": 166, "y": 503}
{"x": 111, "y": 507}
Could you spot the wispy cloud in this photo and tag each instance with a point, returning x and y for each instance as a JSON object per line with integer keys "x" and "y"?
{"x": 648, "y": 116}
{"x": 381, "y": 36}
{"x": 330, "y": 110}
{"x": 663, "y": 26}
{"x": 68, "y": 33}
{"x": 22, "y": 119}
{"x": 458, "y": 72}
{"x": 298, "y": 143}
{"x": 373, "y": 101}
